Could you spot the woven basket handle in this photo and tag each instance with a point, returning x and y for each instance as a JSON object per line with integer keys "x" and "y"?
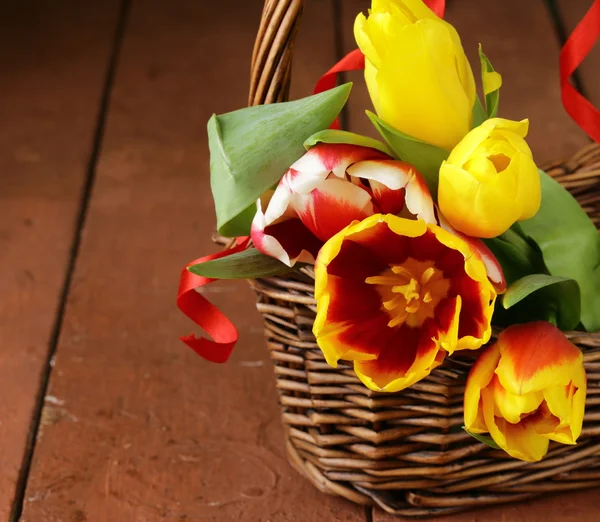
{"x": 271, "y": 70}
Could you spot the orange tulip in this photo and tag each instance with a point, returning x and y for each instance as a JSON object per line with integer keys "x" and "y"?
{"x": 395, "y": 295}
{"x": 527, "y": 389}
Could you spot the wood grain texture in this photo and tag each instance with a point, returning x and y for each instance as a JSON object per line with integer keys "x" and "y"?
{"x": 521, "y": 43}
{"x": 142, "y": 429}
{"x": 571, "y": 12}
{"x": 53, "y": 58}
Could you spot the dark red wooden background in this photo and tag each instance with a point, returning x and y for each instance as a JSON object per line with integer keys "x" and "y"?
{"x": 104, "y": 414}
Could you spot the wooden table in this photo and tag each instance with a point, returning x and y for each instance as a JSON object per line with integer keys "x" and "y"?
{"x": 105, "y": 415}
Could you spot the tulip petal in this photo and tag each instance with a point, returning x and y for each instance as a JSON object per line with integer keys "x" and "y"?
{"x": 520, "y": 441}
{"x": 314, "y": 167}
{"x": 461, "y": 196}
{"x": 354, "y": 262}
{"x": 332, "y": 206}
{"x": 567, "y": 404}
{"x": 492, "y": 265}
{"x": 528, "y": 192}
{"x": 353, "y": 341}
{"x": 350, "y": 323}
{"x": 520, "y": 128}
{"x": 536, "y": 356}
{"x": 407, "y": 358}
{"x": 395, "y": 176}
{"x": 513, "y": 407}
{"x": 480, "y": 376}
{"x": 390, "y": 246}
{"x": 287, "y": 240}
{"x": 477, "y": 293}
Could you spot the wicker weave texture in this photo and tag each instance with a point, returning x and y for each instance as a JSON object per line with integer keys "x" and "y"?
{"x": 405, "y": 451}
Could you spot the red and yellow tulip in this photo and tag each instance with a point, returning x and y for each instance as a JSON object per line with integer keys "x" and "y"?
{"x": 527, "y": 389}
{"x": 328, "y": 188}
{"x": 490, "y": 180}
{"x": 396, "y": 295}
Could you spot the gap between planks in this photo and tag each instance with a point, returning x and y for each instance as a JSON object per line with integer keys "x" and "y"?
{"x": 86, "y": 193}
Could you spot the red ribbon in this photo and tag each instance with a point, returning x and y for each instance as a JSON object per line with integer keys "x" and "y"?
{"x": 206, "y": 315}
{"x": 437, "y": 6}
{"x": 576, "y": 48}
{"x": 353, "y": 61}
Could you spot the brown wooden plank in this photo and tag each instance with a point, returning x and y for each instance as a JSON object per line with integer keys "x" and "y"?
{"x": 142, "y": 429}
{"x": 571, "y": 12}
{"x": 54, "y": 57}
{"x": 523, "y": 48}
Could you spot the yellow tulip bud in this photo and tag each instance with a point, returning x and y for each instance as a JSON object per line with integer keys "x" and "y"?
{"x": 490, "y": 180}
{"x": 418, "y": 76}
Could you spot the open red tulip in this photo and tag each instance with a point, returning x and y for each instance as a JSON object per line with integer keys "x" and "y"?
{"x": 395, "y": 296}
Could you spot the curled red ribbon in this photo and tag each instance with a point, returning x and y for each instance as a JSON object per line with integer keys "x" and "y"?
{"x": 206, "y": 315}
{"x": 576, "y": 48}
{"x": 353, "y": 61}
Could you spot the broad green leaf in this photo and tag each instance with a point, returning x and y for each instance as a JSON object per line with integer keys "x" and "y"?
{"x": 251, "y": 149}
{"x": 492, "y": 81}
{"x": 479, "y": 115}
{"x": 570, "y": 245}
{"x": 557, "y": 298}
{"x": 341, "y": 136}
{"x": 425, "y": 157}
{"x": 516, "y": 256}
{"x": 248, "y": 264}
{"x": 486, "y": 439}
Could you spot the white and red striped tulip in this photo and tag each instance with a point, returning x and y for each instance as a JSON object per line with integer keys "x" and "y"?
{"x": 328, "y": 188}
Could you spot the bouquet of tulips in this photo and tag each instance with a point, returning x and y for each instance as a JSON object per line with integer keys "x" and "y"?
{"x": 424, "y": 240}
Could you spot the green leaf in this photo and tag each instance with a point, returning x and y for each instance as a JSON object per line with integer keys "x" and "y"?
{"x": 248, "y": 264}
{"x": 516, "y": 255}
{"x": 558, "y": 298}
{"x": 492, "y": 82}
{"x": 251, "y": 149}
{"x": 341, "y": 136}
{"x": 479, "y": 115}
{"x": 486, "y": 439}
{"x": 570, "y": 245}
{"x": 425, "y": 157}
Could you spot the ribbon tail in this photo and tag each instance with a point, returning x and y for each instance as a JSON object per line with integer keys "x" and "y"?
{"x": 576, "y": 48}
{"x": 206, "y": 315}
{"x": 353, "y": 61}
{"x": 437, "y": 6}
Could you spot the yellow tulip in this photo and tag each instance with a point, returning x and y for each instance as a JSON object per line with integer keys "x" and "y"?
{"x": 418, "y": 76}
{"x": 527, "y": 389}
{"x": 490, "y": 180}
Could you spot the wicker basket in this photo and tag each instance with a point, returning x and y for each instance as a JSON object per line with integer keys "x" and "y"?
{"x": 404, "y": 451}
